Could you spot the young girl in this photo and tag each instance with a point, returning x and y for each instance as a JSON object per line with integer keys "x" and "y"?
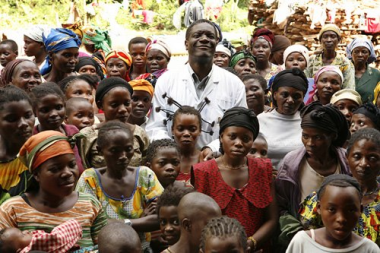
{"x": 79, "y": 112}
{"x": 79, "y": 86}
{"x": 259, "y": 148}
{"x": 186, "y": 129}
{"x": 123, "y": 190}
{"x": 49, "y": 107}
{"x": 339, "y": 206}
{"x": 241, "y": 186}
{"x": 363, "y": 155}
{"x": 163, "y": 158}
{"x": 16, "y": 126}
{"x": 223, "y": 234}
{"x": 367, "y": 115}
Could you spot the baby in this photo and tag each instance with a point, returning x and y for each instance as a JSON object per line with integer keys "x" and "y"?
{"x": 61, "y": 239}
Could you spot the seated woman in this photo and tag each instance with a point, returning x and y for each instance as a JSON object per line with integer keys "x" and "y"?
{"x": 16, "y": 126}
{"x": 242, "y": 186}
{"x": 363, "y": 155}
{"x": 281, "y": 126}
{"x": 62, "y": 46}
{"x": 367, "y": 115}
{"x": 118, "y": 64}
{"x": 113, "y": 96}
{"x": 244, "y": 63}
{"x": 324, "y": 131}
{"x": 327, "y": 81}
{"x": 124, "y": 191}
{"x": 347, "y": 101}
{"x": 158, "y": 56}
{"x": 21, "y": 73}
{"x": 51, "y": 200}
{"x": 329, "y": 37}
{"x": 361, "y": 53}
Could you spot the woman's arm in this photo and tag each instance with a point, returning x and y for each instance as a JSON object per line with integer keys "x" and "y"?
{"x": 265, "y": 232}
{"x": 146, "y": 224}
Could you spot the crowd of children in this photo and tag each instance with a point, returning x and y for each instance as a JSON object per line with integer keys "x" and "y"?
{"x": 240, "y": 151}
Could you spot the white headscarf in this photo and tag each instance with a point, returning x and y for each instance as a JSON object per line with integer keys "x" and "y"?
{"x": 35, "y": 32}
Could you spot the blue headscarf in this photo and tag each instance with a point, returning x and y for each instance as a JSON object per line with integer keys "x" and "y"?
{"x": 360, "y": 42}
{"x": 58, "y": 39}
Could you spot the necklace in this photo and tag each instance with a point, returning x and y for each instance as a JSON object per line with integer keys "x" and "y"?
{"x": 232, "y": 168}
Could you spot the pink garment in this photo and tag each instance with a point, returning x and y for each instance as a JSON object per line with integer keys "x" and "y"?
{"x": 83, "y": 54}
{"x": 148, "y": 16}
{"x": 61, "y": 239}
{"x": 372, "y": 25}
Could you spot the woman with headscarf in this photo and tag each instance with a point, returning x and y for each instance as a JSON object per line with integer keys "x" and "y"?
{"x": 98, "y": 43}
{"x": 327, "y": 81}
{"x": 361, "y": 53}
{"x": 241, "y": 185}
{"x": 281, "y": 43}
{"x": 223, "y": 52}
{"x": 261, "y": 45}
{"x": 324, "y": 132}
{"x": 34, "y": 44}
{"x": 347, "y": 101}
{"x": 281, "y": 127}
{"x": 21, "y": 73}
{"x": 87, "y": 65}
{"x": 366, "y": 116}
{"x": 244, "y": 63}
{"x": 62, "y": 46}
{"x": 158, "y": 55}
{"x": 118, "y": 64}
{"x": 51, "y": 197}
{"x": 77, "y": 29}
{"x": 329, "y": 37}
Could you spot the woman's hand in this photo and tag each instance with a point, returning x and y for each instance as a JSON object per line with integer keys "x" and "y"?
{"x": 251, "y": 247}
{"x": 150, "y": 209}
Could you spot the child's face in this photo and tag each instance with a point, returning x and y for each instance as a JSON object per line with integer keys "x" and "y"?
{"x": 141, "y": 103}
{"x": 6, "y": 54}
{"x": 186, "y": 129}
{"x": 166, "y": 165}
{"x": 340, "y": 210}
{"x": 80, "y": 88}
{"x": 364, "y": 160}
{"x": 259, "y": 149}
{"x": 50, "y": 112}
{"x": 14, "y": 238}
{"x": 169, "y": 224}
{"x": 81, "y": 115}
{"x": 230, "y": 244}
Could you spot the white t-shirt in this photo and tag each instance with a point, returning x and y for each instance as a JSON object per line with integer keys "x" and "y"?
{"x": 302, "y": 243}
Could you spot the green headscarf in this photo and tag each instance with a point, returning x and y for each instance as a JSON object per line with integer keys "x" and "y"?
{"x": 97, "y": 37}
{"x": 241, "y": 55}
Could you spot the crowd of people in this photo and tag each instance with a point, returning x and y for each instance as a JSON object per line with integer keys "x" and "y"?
{"x": 264, "y": 149}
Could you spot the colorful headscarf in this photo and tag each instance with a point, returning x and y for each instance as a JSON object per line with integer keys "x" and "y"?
{"x": 97, "y": 37}
{"x": 296, "y": 49}
{"x": 376, "y": 93}
{"x": 280, "y": 42}
{"x": 241, "y": 55}
{"x": 58, "y": 39}
{"x": 125, "y": 57}
{"x": 346, "y": 94}
{"x": 43, "y": 146}
{"x": 76, "y": 28}
{"x": 265, "y": 34}
{"x": 159, "y": 45}
{"x": 329, "y": 27}
{"x": 360, "y": 42}
{"x": 35, "y": 32}
{"x": 142, "y": 85}
{"x": 7, "y": 72}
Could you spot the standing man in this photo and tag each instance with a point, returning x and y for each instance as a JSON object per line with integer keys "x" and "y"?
{"x": 200, "y": 84}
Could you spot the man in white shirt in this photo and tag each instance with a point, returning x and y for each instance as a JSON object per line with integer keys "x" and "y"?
{"x": 197, "y": 82}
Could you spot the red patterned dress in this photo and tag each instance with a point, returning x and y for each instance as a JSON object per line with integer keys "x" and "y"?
{"x": 246, "y": 204}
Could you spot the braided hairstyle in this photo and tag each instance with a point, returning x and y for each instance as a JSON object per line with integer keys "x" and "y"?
{"x": 223, "y": 227}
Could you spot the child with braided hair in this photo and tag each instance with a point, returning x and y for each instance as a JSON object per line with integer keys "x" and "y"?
{"x": 223, "y": 234}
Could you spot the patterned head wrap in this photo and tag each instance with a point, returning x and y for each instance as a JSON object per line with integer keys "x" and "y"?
{"x": 35, "y": 32}
{"x": 58, "y": 39}
{"x": 143, "y": 85}
{"x": 329, "y": 27}
{"x": 43, "y": 146}
{"x": 125, "y": 57}
{"x": 7, "y": 72}
{"x": 97, "y": 37}
{"x": 328, "y": 68}
{"x": 359, "y": 42}
{"x": 76, "y": 28}
{"x": 241, "y": 55}
{"x": 159, "y": 45}
{"x": 326, "y": 118}
{"x": 265, "y": 34}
